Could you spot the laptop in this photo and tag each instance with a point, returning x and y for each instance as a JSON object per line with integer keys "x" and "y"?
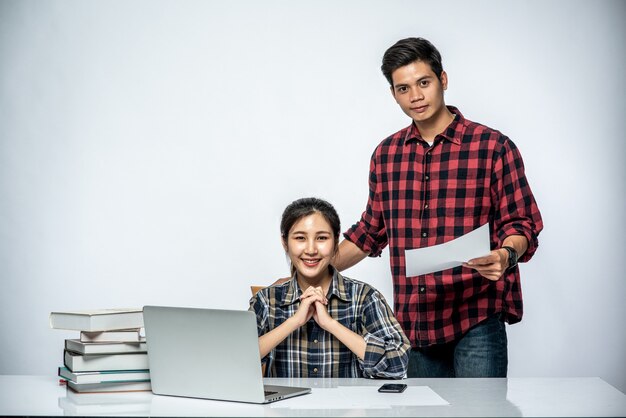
{"x": 208, "y": 353}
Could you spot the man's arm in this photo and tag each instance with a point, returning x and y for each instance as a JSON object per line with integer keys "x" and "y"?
{"x": 348, "y": 254}
{"x": 519, "y": 242}
{"x": 517, "y": 220}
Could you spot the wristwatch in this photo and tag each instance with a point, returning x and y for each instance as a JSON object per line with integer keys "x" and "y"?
{"x": 512, "y": 256}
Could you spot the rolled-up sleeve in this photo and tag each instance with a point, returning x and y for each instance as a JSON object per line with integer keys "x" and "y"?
{"x": 369, "y": 232}
{"x": 516, "y": 212}
{"x": 259, "y": 305}
{"x": 387, "y": 348}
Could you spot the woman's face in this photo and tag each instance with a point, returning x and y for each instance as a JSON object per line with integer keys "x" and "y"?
{"x": 310, "y": 245}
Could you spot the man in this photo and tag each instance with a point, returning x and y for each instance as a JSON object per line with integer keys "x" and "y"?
{"x": 438, "y": 179}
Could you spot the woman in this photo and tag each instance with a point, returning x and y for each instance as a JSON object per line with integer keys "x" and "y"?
{"x": 319, "y": 323}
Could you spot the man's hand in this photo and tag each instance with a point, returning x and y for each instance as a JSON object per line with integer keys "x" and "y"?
{"x": 494, "y": 265}
{"x": 491, "y": 267}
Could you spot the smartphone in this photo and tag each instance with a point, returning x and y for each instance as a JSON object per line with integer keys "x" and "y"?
{"x": 392, "y": 388}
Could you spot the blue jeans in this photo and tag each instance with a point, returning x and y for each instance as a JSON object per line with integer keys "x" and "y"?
{"x": 481, "y": 352}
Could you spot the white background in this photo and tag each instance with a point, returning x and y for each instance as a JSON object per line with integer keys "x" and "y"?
{"x": 148, "y": 148}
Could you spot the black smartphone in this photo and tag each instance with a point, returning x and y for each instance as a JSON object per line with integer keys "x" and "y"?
{"x": 392, "y": 388}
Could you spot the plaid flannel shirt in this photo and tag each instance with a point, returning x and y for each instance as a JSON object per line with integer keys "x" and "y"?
{"x": 311, "y": 351}
{"x": 422, "y": 195}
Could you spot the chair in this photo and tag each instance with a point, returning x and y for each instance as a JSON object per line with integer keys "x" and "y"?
{"x": 255, "y": 289}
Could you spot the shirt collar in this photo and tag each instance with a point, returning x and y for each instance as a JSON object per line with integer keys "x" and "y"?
{"x": 337, "y": 288}
{"x": 452, "y": 133}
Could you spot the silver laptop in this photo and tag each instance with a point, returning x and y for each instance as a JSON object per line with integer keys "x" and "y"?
{"x": 208, "y": 353}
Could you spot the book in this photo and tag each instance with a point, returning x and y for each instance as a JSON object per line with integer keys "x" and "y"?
{"x": 104, "y": 362}
{"x": 123, "y": 335}
{"x": 80, "y": 347}
{"x": 104, "y": 376}
{"x": 109, "y": 386}
{"x": 98, "y": 319}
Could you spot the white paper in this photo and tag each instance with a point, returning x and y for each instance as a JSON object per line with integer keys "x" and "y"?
{"x": 362, "y": 397}
{"x": 449, "y": 254}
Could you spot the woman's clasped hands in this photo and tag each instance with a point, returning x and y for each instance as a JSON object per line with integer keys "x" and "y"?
{"x": 313, "y": 304}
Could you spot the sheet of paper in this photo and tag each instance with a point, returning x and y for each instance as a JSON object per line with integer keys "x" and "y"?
{"x": 362, "y": 397}
{"x": 450, "y": 254}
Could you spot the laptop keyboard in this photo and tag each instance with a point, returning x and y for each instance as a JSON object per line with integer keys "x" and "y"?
{"x": 269, "y": 392}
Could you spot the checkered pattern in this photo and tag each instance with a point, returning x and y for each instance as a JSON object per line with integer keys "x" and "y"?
{"x": 423, "y": 195}
{"x": 312, "y": 352}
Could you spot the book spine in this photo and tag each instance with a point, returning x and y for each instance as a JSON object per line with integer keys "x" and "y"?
{"x": 80, "y": 347}
{"x": 111, "y": 336}
{"x": 122, "y": 376}
{"x": 103, "y": 362}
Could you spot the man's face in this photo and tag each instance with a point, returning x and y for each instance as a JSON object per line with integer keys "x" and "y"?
{"x": 418, "y": 91}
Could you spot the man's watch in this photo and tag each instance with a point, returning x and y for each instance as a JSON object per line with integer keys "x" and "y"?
{"x": 512, "y": 256}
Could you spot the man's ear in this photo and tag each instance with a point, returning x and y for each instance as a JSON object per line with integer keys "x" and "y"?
{"x": 444, "y": 80}
{"x": 393, "y": 93}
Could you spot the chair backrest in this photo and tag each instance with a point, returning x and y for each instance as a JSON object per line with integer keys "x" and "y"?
{"x": 255, "y": 289}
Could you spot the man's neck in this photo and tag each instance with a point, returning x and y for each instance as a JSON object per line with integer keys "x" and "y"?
{"x": 434, "y": 126}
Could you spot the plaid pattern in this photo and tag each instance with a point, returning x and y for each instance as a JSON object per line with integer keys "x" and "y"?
{"x": 423, "y": 195}
{"x": 312, "y": 352}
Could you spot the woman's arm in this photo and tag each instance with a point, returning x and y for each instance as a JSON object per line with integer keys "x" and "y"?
{"x": 268, "y": 341}
{"x": 272, "y": 338}
{"x": 383, "y": 351}
{"x": 387, "y": 347}
{"x": 349, "y": 338}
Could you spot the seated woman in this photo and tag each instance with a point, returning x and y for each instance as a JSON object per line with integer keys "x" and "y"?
{"x": 319, "y": 323}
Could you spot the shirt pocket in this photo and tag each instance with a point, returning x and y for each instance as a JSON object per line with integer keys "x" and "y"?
{"x": 463, "y": 198}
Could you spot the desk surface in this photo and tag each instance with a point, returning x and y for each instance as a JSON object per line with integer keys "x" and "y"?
{"x": 42, "y": 395}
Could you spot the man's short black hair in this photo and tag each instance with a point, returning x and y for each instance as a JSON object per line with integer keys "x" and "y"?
{"x": 409, "y": 50}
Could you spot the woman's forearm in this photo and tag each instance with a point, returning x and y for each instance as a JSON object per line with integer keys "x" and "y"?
{"x": 268, "y": 341}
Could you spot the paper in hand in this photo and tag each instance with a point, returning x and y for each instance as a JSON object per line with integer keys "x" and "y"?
{"x": 449, "y": 254}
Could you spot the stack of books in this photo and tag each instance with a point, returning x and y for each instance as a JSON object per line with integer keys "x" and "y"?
{"x": 110, "y": 354}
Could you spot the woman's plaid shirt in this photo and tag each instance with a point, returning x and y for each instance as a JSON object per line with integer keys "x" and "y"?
{"x": 312, "y": 352}
{"x": 423, "y": 195}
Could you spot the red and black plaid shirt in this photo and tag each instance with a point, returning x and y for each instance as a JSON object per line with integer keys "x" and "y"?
{"x": 423, "y": 195}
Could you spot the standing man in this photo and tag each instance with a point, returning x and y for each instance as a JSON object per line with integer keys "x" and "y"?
{"x": 442, "y": 177}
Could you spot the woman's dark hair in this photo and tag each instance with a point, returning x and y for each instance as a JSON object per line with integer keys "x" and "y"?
{"x": 300, "y": 208}
{"x": 409, "y": 50}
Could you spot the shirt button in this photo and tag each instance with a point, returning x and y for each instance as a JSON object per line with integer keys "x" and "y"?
{"x": 424, "y": 234}
{"x": 315, "y": 341}
{"x": 315, "y": 370}
{"x": 426, "y": 206}
{"x": 422, "y": 289}
{"x": 426, "y": 177}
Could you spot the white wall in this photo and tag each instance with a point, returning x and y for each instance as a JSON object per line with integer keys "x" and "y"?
{"x": 147, "y": 149}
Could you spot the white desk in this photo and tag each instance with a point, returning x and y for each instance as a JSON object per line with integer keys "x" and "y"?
{"x": 42, "y": 395}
